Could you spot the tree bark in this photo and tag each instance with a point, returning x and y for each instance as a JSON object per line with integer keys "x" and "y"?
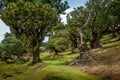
{"x": 34, "y": 57}
{"x": 113, "y": 35}
{"x": 73, "y": 50}
{"x": 85, "y": 25}
{"x": 95, "y": 41}
{"x": 56, "y": 52}
{"x": 73, "y": 47}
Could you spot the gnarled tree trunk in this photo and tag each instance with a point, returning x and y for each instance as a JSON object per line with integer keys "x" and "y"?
{"x": 34, "y": 55}
{"x": 34, "y": 58}
{"x": 81, "y": 43}
{"x": 95, "y": 43}
{"x": 95, "y": 40}
{"x": 55, "y": 52}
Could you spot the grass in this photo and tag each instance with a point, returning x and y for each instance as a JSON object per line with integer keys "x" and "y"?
{"x": 106, "y": 38}
{"x": 54, "y": 68}
{"x": 111, "y": 45}
{"x": 40, "y": 72}
{"x": 62, "y": 59}
{"x": 54, "y": 72}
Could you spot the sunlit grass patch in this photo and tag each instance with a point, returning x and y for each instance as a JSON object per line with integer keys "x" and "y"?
{"x": 111, "y": 45}
{"x": 60, "y": 59}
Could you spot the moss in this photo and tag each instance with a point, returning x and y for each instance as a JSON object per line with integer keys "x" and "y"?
{"x": 54, "y": 72}
{"x": 40, "y": 72}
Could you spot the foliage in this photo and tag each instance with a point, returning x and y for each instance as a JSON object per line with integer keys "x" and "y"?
{"x": 103, "y": 20}
{"x": 38, "y": 15}
{"x": 11, "y": 46}
{"x": 58, "y": 6}
{"x": 76, "y": 19}
{"x": 58, "y": 42}
{"x": 29, "y": 22}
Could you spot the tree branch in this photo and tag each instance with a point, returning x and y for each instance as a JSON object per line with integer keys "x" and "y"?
{"x": 85, "y": 25}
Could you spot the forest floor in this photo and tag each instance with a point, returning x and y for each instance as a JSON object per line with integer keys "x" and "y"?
{"x": 57, "y": 68}
{"x": 52, "y": 68}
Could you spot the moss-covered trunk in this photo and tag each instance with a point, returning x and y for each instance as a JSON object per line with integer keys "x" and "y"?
{"x": 34, "y": 58}
{"x": 34, "y": 55}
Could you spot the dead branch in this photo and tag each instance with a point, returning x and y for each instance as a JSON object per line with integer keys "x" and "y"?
{"x": 85, "y": 25}
{"x": 87, "y": 56}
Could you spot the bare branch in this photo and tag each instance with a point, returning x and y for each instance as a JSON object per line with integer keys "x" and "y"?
{"x": 85, "y": 25}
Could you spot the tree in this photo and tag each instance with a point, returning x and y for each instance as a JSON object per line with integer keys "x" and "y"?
{"x": 58, "y": 42}
{"x": 58, "y": 39}
{"x": 102, "y": 20}
{"x": 30, "y": 22}
{"x": 99, "y": 18}
{"x": 95, "y": 18}
{"x": 114, "y": 16}
{"x": 11, "y": 46}
{"x": 76, "y": 20}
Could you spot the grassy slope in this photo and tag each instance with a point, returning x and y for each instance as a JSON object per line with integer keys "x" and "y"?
{"x": 54, "y": 68}
{"x": 108, "y": 61}
{"x": 53, "y": 72}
